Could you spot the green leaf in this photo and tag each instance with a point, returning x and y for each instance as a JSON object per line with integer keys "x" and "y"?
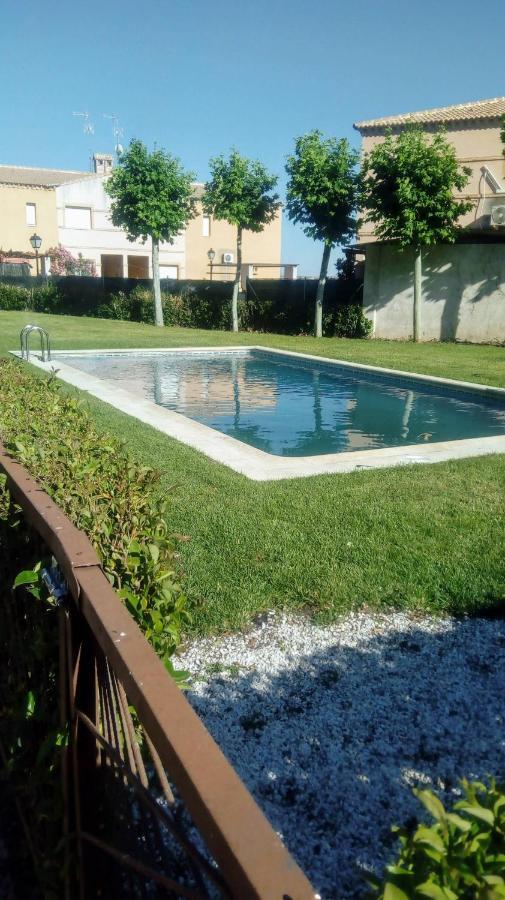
{"x": 430, "y": 889}
{"x": 477, "y": 812}
{"x": 430, "y": 837}
{"x": 431, "y": 802}
{"x": 26, "y": 577}
{"x": 392, "y": 892}
{"x": 29, "y": 705}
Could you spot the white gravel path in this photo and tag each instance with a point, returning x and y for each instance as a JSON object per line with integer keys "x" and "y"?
{"x": 330, "y": 727}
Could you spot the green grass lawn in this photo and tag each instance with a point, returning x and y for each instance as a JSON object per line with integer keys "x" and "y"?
{"x": 417, "y": 537}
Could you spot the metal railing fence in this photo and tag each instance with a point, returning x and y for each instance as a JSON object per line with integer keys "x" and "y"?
{"x": 151, "y": 806}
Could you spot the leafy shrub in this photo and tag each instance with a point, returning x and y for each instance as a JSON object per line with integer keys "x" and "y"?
{"x": 351, "y": 322}
{"x": 45, "y": 298}
{"x": 104, "y": 492}
{"x": 460, "y": 857}
{"x": 13, "y": 296}
{"x": 117, "y": 306}
{"x": 32, "y": 734}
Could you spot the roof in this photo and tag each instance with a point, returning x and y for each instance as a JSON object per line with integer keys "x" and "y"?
{"x": 460, "y": 112}
{"x": 39, "y": 177}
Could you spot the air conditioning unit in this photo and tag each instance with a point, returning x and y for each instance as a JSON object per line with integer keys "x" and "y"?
{"x": 227, "y": 258}
{"x": 498, "y": 216}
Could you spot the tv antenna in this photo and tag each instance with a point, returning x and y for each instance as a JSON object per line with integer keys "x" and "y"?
{"x": 117, "y": 131}
{"x": 87, "y": 127}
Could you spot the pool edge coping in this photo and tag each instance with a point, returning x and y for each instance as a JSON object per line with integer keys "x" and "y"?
{"x": 250, "y": 461}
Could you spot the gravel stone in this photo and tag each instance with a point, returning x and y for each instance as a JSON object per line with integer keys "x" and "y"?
{"x": 331, "y": 727}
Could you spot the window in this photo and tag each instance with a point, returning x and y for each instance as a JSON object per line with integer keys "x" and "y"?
{"x": 77, "y": 217}
{"x": 169, "y": 272}
{"x": 206, "y": 226}
{"x": 31, "y": 214}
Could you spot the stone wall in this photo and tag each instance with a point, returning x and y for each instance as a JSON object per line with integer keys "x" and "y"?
{"x": 463, "y": 292}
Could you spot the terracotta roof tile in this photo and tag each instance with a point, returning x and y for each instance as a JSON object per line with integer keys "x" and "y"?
{"x": 460, "y": 112}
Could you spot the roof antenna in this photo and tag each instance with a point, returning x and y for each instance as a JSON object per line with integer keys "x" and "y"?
{"x": 88, "y": 128}
{"x": 117, "y": 131}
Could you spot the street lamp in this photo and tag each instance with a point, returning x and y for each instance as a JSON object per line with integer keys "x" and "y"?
{"x": 211, "y": 256}
{"x": 36, "y": 241}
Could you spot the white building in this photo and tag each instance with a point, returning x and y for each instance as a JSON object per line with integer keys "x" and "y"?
{"x": 84, "y": 227}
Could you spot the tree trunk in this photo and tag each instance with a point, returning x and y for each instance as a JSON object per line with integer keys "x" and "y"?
{"x": 158, "y": 309}
{"x": 236, "y": 285}
{"x": 320, "y": 290}
{"x": 417, "y": 295}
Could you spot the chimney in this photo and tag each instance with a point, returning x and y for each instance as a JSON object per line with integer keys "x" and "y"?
{"x": 102, "y": 163}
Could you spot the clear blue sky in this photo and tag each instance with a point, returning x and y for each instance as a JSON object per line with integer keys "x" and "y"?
{"x": 200, "y": 77}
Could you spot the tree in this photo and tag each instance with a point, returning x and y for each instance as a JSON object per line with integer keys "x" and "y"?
{"x": 64, "y": 263}
{"x": 240, "y": 192}
{"x": 409, "y": 185}
{"x": 152, "y": 197}
{"x": 322, "y": 196}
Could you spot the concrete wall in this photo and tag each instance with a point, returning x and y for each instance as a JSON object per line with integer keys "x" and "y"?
{"x": 14, "y": 232}
{"x": 476, "y": 145}
{"x": 463, "y": 292}
{"x": 264, "y": 247}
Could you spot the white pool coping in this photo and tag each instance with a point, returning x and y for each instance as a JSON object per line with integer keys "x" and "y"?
{"x": 256, "y": 464}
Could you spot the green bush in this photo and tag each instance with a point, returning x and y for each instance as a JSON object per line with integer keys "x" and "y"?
{"x": 460, "y": 857}
{"x": 16, "y": 297}
{"x": 104, "y": 492}
{"x": 351, "y": 322}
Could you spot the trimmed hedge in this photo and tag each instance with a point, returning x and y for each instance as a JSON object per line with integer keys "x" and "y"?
{"x": 104, "y": 493}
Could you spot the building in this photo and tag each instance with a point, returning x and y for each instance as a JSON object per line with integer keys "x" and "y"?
{"x": 463, "y": 285}
{"x": 474, "y": 131}
{"x": 72, "y": 208}
{"x": 28, "y": 204}
{"x": 261, "y": 252}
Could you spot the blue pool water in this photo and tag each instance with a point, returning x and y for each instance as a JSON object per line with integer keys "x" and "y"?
{"x": 292, "y": 407}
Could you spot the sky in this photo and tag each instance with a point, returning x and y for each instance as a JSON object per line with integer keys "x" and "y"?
{"x": 199, "y": 78}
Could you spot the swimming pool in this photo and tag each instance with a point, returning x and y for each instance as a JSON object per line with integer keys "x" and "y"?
{"x": 280, "y": 414}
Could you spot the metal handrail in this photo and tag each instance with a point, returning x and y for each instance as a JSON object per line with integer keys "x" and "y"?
{"x": 251, "y": 859}
{"x": 45, "y": 345}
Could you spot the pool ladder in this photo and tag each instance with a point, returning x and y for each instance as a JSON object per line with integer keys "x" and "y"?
{"x": 45, "y": 346}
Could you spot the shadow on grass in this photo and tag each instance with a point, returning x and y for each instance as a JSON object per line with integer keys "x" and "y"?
{"x": 331, "y": 742}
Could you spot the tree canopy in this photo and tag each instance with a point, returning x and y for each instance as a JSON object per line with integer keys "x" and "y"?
{"x": 239, "y": 191}
{"x": 409, "y": 185}
{"x": 152, "y": 195}
{"x": 322, "y": 192}
{"x": 322, "y": 196}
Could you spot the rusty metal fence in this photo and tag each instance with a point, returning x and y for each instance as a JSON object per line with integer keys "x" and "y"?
{"x": 151, "y": 806}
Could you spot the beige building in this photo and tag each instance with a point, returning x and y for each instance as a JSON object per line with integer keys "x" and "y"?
{"x": 28, "y": 205}
{"x": 261, "y": 253}
{"x": 474, "y": 131}
{"x": 72, "y": 208}
{"x": 463, "y": 284}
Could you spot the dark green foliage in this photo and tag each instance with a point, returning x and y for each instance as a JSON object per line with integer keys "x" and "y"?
{"x": 240, "y": 191}
{"x": 351, "y": 322}
{"x": 409, "y": 185}
{"x": 460, "y": 857}
{"x": 104, "y": 493}
{"x": 31, "y": 733}
{"x": 322, "y": 189}
{"x": 152, "y": 195}
{"x": 13, "y": 296}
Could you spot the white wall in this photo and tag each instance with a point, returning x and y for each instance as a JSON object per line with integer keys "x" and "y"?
{"x": 463, "y": 292}
{"x": 103, "y": 237}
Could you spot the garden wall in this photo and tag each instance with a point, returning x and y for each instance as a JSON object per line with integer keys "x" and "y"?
{"x": 276, "y": 305}
{"x": 463, "y": 292}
